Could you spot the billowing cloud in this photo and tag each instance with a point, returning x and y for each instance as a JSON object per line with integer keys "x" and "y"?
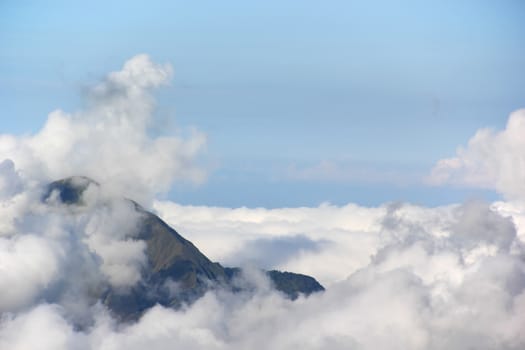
{"x": 10, "y": 182}
{"x": 415, "y": 277}
{"x": 434, "y": 278}
{"x": 51, "y": 253}
{"x": 492, "y": 159}
{"x": 227, "y": 235}
{"x": 110, "y": 140}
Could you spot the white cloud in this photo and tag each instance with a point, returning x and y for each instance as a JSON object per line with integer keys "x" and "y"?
{"x": 376, "y": 307}
{"x": 110, "y": 140}
{"x": 397, "y": 276}
{"x": 60, "y": 254}
{"x": 28, "y": 265}
{"x": 42, "y": 328}
{"x": 225, "y": 234}
{"x": 492, "y": 159}
{"x": 10, "y": 182}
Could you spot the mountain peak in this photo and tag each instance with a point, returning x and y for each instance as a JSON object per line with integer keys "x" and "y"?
{"x": 170, "y": 258}
{"x": 69, "y": 190}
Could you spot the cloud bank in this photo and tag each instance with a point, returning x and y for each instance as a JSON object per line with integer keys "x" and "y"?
{"x": 398, "y": 276}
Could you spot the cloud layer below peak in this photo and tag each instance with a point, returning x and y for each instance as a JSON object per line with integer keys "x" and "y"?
{"x": 397, "y": 276}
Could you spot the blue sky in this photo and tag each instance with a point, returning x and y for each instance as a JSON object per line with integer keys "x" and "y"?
{"x": 302, "y": 101}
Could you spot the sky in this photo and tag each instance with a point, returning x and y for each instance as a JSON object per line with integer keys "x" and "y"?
{"x": 301, "y": 102}
{"x": 377, "y": 146}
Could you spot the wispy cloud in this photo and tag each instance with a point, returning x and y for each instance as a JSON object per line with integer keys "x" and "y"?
{"x": 353, "y": 172}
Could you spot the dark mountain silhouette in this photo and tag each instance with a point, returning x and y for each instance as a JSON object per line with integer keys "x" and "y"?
{"x": 171, "y": 261}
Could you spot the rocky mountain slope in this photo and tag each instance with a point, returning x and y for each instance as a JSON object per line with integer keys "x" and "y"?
{"x": 173, "y": 260}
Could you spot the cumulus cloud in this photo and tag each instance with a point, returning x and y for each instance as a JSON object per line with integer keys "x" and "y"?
{"x": 397, "y": 276}
{"x": 110, "y": 140}
{"x": 29, "y": 265}
{"x": 58, "y": 254}
{"x": 10, "y": 182}
{"x": 492, "y": 159}
{"x": 54, "y": 253}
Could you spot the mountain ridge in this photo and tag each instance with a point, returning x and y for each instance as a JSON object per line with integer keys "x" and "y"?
{"x": 170, "y": 259}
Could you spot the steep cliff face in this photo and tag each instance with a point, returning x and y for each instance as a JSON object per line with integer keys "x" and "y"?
{"x": 176, "y": 271}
